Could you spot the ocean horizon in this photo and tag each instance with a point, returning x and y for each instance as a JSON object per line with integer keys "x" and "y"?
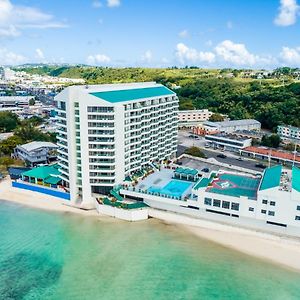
{"x": 49, "y": 255}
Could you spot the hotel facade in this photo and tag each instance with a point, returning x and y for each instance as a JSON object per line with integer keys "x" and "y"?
{"x": 108, "y": 132}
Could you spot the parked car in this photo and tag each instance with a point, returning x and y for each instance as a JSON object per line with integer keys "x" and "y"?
{"x": 260, "y": 165}
{"x": 205, "y": 170}
{"x": 221, "y": 155}
{"x": 240, "y": 159}
{"x": 207, "y": 145}
{"x": 194, "y": 136}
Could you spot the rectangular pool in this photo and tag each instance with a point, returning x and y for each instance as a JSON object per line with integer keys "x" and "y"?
{"x": 175, "y": 188}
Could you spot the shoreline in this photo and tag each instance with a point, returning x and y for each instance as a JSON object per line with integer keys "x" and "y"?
{"x": 280, "y": 250}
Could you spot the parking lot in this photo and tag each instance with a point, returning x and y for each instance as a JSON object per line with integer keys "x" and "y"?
{"x": 185, "y": 141}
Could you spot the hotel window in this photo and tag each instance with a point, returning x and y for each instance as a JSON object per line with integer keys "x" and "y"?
{"x": 217, "y": 203}
{"x": 263, "y": 211}
{"x": 226, "y": 204}
{"x": 297, "y": 218}
{"x": 298, "y": 207}
{"x": 272, "y": 203}
{"x": 251, "y": 208}
{"x": 271, "y": 213}
{"x": 207, "y": 201}
{"x": 235, "y": 206}
{"x": 265, "y": 201}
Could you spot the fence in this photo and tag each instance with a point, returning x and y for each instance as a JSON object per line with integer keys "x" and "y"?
{"x": 42, "y": 190}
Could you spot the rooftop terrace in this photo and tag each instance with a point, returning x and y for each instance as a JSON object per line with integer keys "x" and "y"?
{"x": 234, "y": 185}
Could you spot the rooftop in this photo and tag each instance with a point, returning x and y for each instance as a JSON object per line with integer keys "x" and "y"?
{"x": 238, "y": 122}
{"x": 234, "y": 185}
{"x": 133, "y": 94}
{"x": 42, "y": 172}
{"x": 296, "y": 179}
{"x": 228, "y": 137}
{"x": 32, "y": 146}
{"x": 271, "y": 178}
{"x": 273, "y": 153}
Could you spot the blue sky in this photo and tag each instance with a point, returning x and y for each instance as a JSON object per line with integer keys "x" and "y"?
{"x": 151, "y": 33}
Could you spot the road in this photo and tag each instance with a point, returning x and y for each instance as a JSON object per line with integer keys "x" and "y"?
{"x": 230, "y": 160}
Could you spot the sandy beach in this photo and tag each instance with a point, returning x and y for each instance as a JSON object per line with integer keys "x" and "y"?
{"x": 280, "y": 250}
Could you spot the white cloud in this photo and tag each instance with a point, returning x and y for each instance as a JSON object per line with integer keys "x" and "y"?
{"x": 187, "y": 55}
{"x": 98, "y": 59}
{"x": 11, "y": 58}
{"x": 147, "y": 56}
{"x": 290, "y": 56}
{"x": 236, "y": 54}
{"x": 288, "y": 12}
{"x": 113, "y": 3}
{"x": 40, "y": 54}
{"x": 183, "y": 34}
{"x": 97, "y": 4}
{"x": 15, "y": 18}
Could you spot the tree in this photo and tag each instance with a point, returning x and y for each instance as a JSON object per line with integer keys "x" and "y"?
{"x": 8, "y": 121}
{"x": 216, "y": 118}
{"x": 195, "y": 151}
{"x": 31, "y": 102}
{"x": 7, "y": 146}
{"x": 6, "y": 161}
{"x": 272, "y": 140}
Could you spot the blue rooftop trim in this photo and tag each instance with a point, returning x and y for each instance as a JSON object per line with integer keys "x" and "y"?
{"x": 133, "y": 94}
{"x": 271, "y": 178}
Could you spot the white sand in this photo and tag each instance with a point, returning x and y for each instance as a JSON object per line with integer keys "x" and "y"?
{"x": 280, "y": 250}
{"x": 38, "y": 200}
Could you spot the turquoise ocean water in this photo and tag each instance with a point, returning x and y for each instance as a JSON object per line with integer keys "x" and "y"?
{"x": 47, "y": 255}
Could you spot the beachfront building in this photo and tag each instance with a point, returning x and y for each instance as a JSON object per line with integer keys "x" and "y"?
{"x": 191, "y": 118}
{"x": 35, "y": 153}
{"x": 109, "y": 132}
{"x": 269, "y": 201}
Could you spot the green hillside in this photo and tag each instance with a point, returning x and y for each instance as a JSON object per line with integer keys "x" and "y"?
{"x": 271, "y": 100}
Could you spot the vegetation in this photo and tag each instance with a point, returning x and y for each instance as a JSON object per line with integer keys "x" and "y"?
{"x": 26, "y": 132}
{"x": 195, "y": 151}
{"x": 272, "y": 99}
{"x": 8, "y": 121}
{"x": 216, "y": 118}
{"x": 272, "y": 141}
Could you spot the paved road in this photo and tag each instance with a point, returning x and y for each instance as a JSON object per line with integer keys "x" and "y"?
{"x": 248, "y": 164}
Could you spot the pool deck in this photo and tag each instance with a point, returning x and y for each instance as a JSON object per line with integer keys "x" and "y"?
{"x": 160, "y": 179}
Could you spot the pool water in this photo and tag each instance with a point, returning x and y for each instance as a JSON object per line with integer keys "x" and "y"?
{"x": 175, "y": 188}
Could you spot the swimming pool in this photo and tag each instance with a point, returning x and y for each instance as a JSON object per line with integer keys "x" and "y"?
{"x": 174, "y": 188}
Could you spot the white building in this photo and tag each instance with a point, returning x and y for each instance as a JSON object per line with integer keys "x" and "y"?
{"x": 289, "y": 132}
{"x": 228, "y": 141}
{"x": 267, "y": 202}
{"x": 228, "y": 126}
{"x": 190, "y": 118}
{"x": 107, "y": 132}
{"x": 34, "y": 153}
{"x": 8, "y": 101}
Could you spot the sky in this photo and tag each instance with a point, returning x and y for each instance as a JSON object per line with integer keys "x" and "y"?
{"x": 151, "y": 33}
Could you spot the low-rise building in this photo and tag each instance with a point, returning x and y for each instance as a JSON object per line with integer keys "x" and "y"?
{"x": 36, "y": 152}
{"x": 268, "y": 202}
{"x": 289, "y": 132}
{"x": 8, "y": 101}
{"x": 227, "y": 126}
{"x": 191, "y": 118}
{"x": 229, "y": 142}
{"x": 269, "y": 154}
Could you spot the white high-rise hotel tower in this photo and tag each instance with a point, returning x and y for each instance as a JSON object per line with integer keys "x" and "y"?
{"x": 107, "y": 132}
